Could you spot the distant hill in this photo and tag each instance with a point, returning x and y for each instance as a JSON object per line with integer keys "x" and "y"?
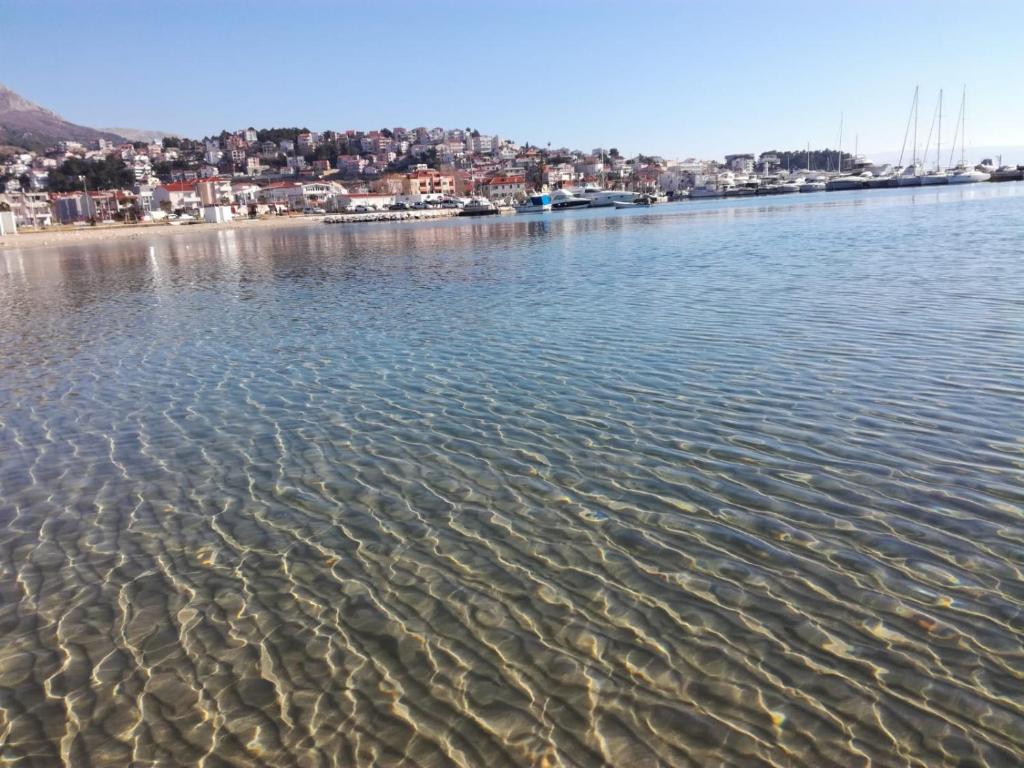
{"x": 26, "y": 124}
{"x": 139, "y": 134}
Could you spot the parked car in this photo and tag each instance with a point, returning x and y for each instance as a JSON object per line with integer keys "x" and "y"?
{"x": 399, "y": 207}
{"x": 313, "y": 210}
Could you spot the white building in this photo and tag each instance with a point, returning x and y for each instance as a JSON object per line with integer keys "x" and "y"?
{"x": 296, "y": 195}
{"x": 176, "y": 195}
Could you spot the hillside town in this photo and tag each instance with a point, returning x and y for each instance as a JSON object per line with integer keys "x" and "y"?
{"x": 250, "y": 172}
{"x": 255, "y": 173}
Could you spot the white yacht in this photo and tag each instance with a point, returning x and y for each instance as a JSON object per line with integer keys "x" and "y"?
{"x": 561, "y": 199}
{"x": 962, "y": 175}
{"x": 911, "y": 176}
{"x": 539, "y": 203}
{"x": 607, "y": 197}
{"x": 936, "y": 177}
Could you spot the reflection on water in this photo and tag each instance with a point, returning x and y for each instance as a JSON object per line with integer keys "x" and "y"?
{"x": 718, "y": 484}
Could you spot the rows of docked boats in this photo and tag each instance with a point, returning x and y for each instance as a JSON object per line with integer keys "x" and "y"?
{"x": 563, "y": 199}
{"x": 863, "y": 174}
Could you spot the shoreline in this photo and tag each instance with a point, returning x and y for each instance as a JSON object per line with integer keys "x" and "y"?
{"x": 62, "y": 236}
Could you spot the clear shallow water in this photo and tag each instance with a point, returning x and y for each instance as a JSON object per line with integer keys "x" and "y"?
{"x": 726, "y": 483}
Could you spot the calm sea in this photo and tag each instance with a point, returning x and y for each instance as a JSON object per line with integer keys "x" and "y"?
{"x": 733, "y": 483}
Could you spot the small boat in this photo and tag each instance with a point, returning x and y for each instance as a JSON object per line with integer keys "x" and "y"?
{"x": 813, "y": 186}
{"x": 698, "y": 193}
{"x": 962, "y": 175}
{"x": 625, "y": 204}
{"x": 535, "y": 204}
{"x": 562, "y": 199}
{"x": 841, "y": 183}
{"x": 479, "y": 206}
{"x": 1008, "y": 173}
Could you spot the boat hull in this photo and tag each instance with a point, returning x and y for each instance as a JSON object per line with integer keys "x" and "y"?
{"x": 533, "y": 208}
{"x": 971, "y": 177}
{"x": 482, "y": 212}
{"x": 566, "y": 204}
{"x": 908, "y": 181}
{"x": 933, "y": 180}
{"x": 841, "y": 185}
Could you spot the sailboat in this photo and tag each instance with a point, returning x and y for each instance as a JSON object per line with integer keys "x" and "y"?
{"x": 938, "y": 176}
{"x": 843, "y": 182}
{"x": 962, "y": 174}
{"x": 911, "y": 175}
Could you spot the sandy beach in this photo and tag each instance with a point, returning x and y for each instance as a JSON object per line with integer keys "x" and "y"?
{"x": 59, "y": 235}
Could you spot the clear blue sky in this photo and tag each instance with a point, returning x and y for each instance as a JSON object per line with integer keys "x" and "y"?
{"x": 669, "y": 77}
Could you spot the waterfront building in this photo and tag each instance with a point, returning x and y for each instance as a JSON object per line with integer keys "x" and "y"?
{"x": 501, "y": 187}
{"x": 743, "y": 163}
{"x": 177, "y": 195}
{"x": 426, "y": 181}
{"x": 296, "y": 196}
{"x": 29, "y": 209}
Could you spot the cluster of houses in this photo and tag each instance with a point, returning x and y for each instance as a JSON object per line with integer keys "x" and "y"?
{"x": 249, "y": 173}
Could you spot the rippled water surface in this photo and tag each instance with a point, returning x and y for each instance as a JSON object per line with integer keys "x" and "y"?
{"x": 719, "y": 484}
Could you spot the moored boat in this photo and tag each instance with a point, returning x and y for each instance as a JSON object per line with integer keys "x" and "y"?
{"x": 562, "y": 199}
{"x": 479, "y": 206}
{"x": 961, "y": 175}
{"x": 910, "y": 177}
{"x": 815, "y": 185}
{"x": 699, "y": 193}
{"x": 841, "y": 183}
{"x": 606, "y": 198}
{"x": 539, "y": 203}
{"x": 880, "y": 182}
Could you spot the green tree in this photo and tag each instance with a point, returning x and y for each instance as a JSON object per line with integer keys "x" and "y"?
{"x": 109, "y": 173}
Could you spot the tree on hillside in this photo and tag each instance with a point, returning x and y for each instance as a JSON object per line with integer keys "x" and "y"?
{"x": 815, "y": 160}
{"x": 109, "y": 173}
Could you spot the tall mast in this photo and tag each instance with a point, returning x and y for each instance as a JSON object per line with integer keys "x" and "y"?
{"x": 938, "y": 145}
{"x": 963, "y": 125}
{"x": 906, "y": 133}
{"x": 916, "y": 87}
{"x": 840, "y": 166}
{"x": 957, "y": 133}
